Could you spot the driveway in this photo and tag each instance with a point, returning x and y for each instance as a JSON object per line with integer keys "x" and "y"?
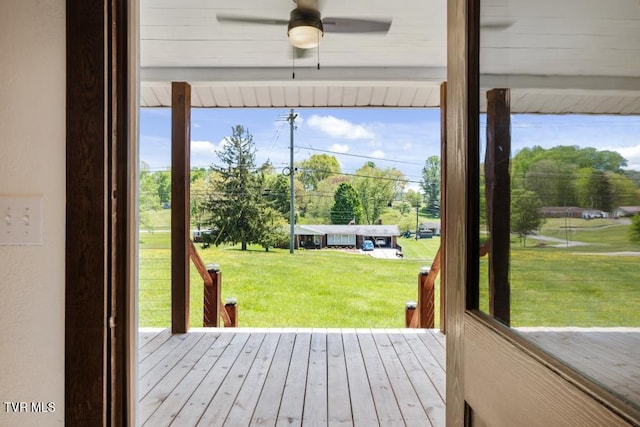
{"x": 384, "y": 253}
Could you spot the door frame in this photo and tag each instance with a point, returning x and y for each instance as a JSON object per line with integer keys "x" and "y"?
{"x": 100, "y": 251}
{"x": 494, "y": 376}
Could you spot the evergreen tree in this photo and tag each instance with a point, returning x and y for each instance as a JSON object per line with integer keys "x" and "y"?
{"x": 236, "y": 205}
{"x": 431, "y": 184}
{"x": 346, "y": 207}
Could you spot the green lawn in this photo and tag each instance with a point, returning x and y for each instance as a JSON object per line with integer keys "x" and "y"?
{"x": 575, "y": 285}
{"x": 551, "y": 286}
{"x": 314, "y": 288}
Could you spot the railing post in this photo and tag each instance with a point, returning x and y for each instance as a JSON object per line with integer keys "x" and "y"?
{"x": 426, "y": 298}
{"x": 211, "y": 310}
{"x": 409, "y": 312}
{"x": 231, "y": 307}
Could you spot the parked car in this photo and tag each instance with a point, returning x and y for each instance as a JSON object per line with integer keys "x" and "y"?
{"x": 367, "y": 245}
{"x": 425, "y": 234}
{"x": 201, "y": 235}
{"x": 381, "y": 242}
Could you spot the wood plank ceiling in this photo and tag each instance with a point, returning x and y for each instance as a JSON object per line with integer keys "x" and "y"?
{"x": 573, "y": 56}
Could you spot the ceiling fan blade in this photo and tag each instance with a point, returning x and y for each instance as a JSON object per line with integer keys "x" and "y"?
{"x": 251, "y": 20}
{"x": 496, "y": 25}
{"x": 356, "y": 25}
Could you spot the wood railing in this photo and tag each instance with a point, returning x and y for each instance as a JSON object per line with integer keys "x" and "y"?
{"x": 422, "y": 315}
{"x": 213, "y": 308}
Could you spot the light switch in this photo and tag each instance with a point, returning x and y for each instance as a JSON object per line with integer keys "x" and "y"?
{"x": 21, "y": 222}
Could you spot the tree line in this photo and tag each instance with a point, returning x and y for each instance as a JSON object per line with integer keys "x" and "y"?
{"x": 245, "y": 203}
{"x": 568, "y": 176}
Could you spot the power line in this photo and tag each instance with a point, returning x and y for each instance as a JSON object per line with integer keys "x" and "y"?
{"x": 362, "y": 156}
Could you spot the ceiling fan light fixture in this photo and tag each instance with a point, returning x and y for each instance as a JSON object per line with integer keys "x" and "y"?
{"x": 305, "y": 28}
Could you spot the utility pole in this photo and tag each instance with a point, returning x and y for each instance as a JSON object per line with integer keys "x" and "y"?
{"x": 417, "y": 218}
{"x": 292, "y": 217}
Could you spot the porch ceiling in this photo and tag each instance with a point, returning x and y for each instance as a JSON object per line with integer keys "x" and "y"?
{"x": 583, "y": 57}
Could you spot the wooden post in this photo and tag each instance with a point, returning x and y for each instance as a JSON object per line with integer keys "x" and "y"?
{"x": 443, "y": 203}
{"x": 180, "y": 205}
{"x": 426, "y": 297}
{"x": 409, "y": 312}
{"x": 498, "y": 195}
{"x": 231, "y": 307}
{"x": 211, "y": 312}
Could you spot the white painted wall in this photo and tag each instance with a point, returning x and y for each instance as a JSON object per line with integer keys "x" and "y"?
{"x": 32, "y": 162}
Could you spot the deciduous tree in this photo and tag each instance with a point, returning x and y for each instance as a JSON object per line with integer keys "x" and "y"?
{"x": 317, "y": 168}
{"x": 525, "y": 213}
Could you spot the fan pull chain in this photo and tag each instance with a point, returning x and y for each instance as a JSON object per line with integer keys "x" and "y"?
{"x": 318, "y": 51}
{"x": 293, "y": 63}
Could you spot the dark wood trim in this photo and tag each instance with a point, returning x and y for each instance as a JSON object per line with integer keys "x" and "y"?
{"x": 87, "y": 210}
{"x": 97, "y": 194}
{"x": 443, "y": 204}
{"x": 180, "y": 205}
{"x": 498, "y": 197}
{"x": 472, "y": 149}
{"x": 121, "y": 198}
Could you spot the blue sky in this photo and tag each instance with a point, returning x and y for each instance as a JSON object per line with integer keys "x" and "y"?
{"x": 400, "y": 138}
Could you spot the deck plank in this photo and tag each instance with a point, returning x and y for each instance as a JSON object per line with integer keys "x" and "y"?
{"x": 224, "y": 398}
{"x": 408, "y": 402}
{"x": 149, "y": 334}
{"x": 152, "y": 391}
{"x": 434, "y": 346}
{"x": 386, "y": 405}
{"x": 153, "y": 360}
{"x": 609, "y": 357}
{"x": 198, "y": 401}
{"x": 268, "y": 406}
{"x": 151, "y": 344}
{"x": 174, "y": 402}
{"x": 315, "y": 399}
{"x": 295, "y": 385}
{"x": 426, "y": 390}
{"x": 165, "y": 366}
{"x": 363, "y": 407}
{"x": 324, "y": 377}
{"x": 430, "y": 365}
{"x": 338, "y": 397}
{"x": 247, "y": 399}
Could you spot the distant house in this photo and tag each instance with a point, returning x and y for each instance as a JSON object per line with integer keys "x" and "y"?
{"x": 434, "y": 227}
{"x": 561, "y": 212}
{"x": 626, "y": 211}
{"x": 345, "y": 236}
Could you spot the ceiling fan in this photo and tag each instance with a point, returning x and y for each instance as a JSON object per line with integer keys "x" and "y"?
{"x": 306, "y": 27}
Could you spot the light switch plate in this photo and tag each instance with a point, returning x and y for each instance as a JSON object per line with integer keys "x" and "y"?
{"x": 20, "y": 220}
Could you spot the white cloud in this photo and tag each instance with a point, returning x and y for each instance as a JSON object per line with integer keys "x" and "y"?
{"x": 631, "y": 154}
{"x": 339, "y": 128}
{"x": 339, "y": 148}
{"x": 203, "y": 153}
{"x": 378, "y": 154}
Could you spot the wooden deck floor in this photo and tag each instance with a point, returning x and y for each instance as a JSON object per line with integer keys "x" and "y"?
{"x": 309, "y": 377}
{"x": 609, "y": 356}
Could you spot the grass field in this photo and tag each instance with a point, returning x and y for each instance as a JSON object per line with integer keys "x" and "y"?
{"x": 314, "y": 288}
{"x": 551, "y": 286}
